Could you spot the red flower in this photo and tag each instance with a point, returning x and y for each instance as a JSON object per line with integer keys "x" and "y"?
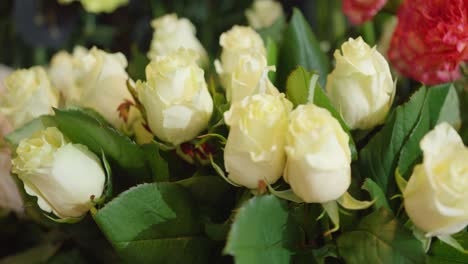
{"x": 359, "y": 11}
{"x": 430, "y": 40}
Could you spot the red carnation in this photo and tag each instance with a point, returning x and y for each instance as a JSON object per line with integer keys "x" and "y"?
{"x": 359, "y": 11}
{"x": 430, "y": 40}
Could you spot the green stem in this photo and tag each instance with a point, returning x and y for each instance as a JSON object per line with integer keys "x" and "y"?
{"x": 368, "y": 33}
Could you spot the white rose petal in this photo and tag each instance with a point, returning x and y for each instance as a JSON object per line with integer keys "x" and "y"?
{"x": 263, "y": 13}
{"x": 172, "y": 33}
{"x": 254, "y": 150}
{"x": 436, "y": 194}
{"x": 176, "y": 97}
{"x": 361, "y": 85}
{"x": 29, "y": 94}
{"x": 318, "y": 156}
{"x": 64, "y": 177}
{"x": 92, "y": 79}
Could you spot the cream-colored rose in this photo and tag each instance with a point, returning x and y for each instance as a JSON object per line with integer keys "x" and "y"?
{"x": 236, "y": 42}
{"x": 318, "y": 166}
{"x": 249, "y": 78}
{"x": 172, "y": 33}
{"x": 62, "y": 74}
{"x": 361, "y": 86}
{"x": 436, "y": 196}
{"x": 65, "y": 177}
{"x": 254, "y": 150}
{"x": 92, "y": 79}
{"x": 29, "y": 94}
{"x": 175, "y": 96}
{"x": 263, "y": 13}
{"x": 98, "y": 6}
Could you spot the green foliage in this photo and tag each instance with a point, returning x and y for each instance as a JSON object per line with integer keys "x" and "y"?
{"x": 441, "y": 105}
{"x": 262, "y": 232}
{"x": 397, "y": 144}
{"x": 380, "y": 238}
{"x": 442, "y": 253}
{"x": 376, "y": 194}
{"x": 155, "y": 223}
{"x": 301, "y": 48}
{"x": 158, "y": 165}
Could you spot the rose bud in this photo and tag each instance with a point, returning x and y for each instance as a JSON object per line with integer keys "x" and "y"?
{"x": 359, "y": 11}
{"x": 172, "y": 33}
{"x": 361, "y": 86}
{"x": 64, "y": 177}
{"x": 263, "y": 13}
{"x": 29, "y": 94}
{"x": 249, "y": 78}
{"x": 93, "y": 6}
{"x": 238, "y": 41}
{"x": 92, "y": 79}
{"x": 318, "y": 166}
{"x": 175, "y": 97}
{"x": 436, "y": 196}
{"x": 254, "y": 151}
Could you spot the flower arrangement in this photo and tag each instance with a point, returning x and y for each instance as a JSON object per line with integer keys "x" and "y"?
{"x": 272, "y": 152}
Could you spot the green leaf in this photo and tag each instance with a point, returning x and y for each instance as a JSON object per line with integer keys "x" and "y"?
{"x": 297, "y": 86}
{"x": 349, "y": 202}
{"x": 378, "y": 159}
{"x": 442, "y": 253}
{"x": 29, "y": 129}
{"x": 158, "y": 165}
{"x": 376, "y": 194}
{"x": 441, "y": 105}
{"x": 261, "y": 232}
{"x": 154, "y": 223}
{"x": 207, "y": 189}
{"x": 82, "y": 128}
{"x": 379, "y": 238}
{"x": 300, "y": 47}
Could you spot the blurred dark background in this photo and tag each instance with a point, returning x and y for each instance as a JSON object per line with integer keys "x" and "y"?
{"x": 31, "y": 31}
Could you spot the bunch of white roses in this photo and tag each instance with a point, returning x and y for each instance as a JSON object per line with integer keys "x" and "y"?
{"x": 267, "y": 137}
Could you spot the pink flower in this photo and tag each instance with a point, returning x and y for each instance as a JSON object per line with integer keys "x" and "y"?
{"x": 360, "y": 11}
{"x": 431, "y": 40}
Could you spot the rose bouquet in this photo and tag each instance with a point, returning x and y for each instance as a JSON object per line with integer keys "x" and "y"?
{"x": 270, "y": 152}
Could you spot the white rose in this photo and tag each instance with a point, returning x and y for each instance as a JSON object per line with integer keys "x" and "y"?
{"x": 361, "y": 85}
{"x": 254, "y": 150}
{"x": 93, "y": 79}
{"x": 65, "y": 177}
{"x": 236, "y": 42}
{"x": 62, "y": 75}
{"x": 436, "y": 196}
{"x": 318, "y": 155}
{"x": 172, "y": 33}
{"x": 29, "y": 94}
{"x": 263, "y": 13}
{"x": 175, "y": 97}
{"x": 98, "y": 6}
{"x": 249, "y": 78}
